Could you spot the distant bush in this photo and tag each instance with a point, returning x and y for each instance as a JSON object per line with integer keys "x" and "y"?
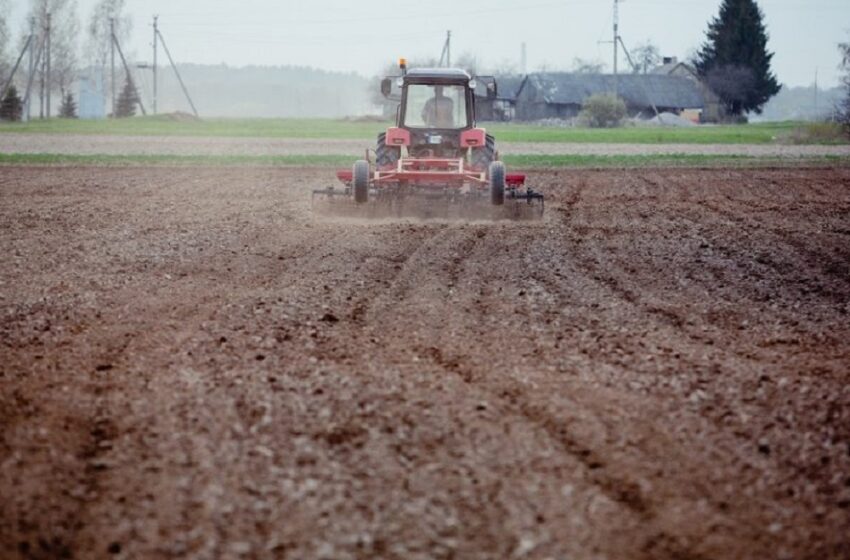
{"x": 603, "y": 111}
{"x": 818, "y": 133}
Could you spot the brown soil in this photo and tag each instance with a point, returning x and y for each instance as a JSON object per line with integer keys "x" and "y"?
{"x": 192, "y": 366}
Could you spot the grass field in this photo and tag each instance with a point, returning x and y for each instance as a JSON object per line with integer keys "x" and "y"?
{"x": 345, "y": 129}
{"x": 344, "y": 161}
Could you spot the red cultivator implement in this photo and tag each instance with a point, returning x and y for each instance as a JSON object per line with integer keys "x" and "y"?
{"x": 449, "y": 167}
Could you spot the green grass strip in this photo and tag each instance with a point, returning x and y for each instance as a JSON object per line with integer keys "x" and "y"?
{"x": 667, "y": 160}
{"x": 163, "y": 160}
{"x": 166, "y": 125}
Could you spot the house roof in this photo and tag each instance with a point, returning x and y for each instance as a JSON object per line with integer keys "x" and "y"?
{"x": 636, "y": 89}
{"x": 671, "y": 67}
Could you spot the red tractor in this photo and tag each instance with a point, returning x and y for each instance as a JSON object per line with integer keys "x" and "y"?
{"x": 435, "y": 159}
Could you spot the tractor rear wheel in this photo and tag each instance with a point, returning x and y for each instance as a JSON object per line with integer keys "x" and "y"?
{"x": 497, "y": 183}
{"x": 361, "y": 181}
{"x": 482, "y": 157}
{"x": 386, "y": 156}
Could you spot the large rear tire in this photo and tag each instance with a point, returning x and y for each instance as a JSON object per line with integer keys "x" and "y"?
{"x": 361, "y": 181}
{"x": 386, "y": 156}
{"x": 482, "y": 157}
{"x": 497, "y": 183}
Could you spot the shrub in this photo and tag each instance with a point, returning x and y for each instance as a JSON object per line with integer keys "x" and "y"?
{"x": 817, "y": 133}
{"x": 603, "y": 111}
{"x": 11, "y": 107}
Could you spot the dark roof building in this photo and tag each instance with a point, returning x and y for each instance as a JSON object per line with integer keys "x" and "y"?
{"x": 637, "y": 90}
{"x": 561, "y": 95}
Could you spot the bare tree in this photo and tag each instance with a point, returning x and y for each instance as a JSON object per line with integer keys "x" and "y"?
{"x": 468, "y": 62}
{"x": 646, "y": 55}
{"x": 582, "y": 66}
{"x": 5, "y": 66}
{"x": 99, "y": 39}
{"x": 64, "y": 32}
{"x": 98, "y": 45}
{"x": 504, "y": 67}
{"x": 842, "y": 113}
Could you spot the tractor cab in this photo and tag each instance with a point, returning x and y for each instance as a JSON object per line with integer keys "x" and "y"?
{"x": 437, "y": 99}
{"x": 436, "y": 112}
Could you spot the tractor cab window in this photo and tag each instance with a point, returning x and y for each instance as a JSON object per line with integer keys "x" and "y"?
{"x": 430, "y": 106}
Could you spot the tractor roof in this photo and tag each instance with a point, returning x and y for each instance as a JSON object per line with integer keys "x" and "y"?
{"x": 437, "y": 75}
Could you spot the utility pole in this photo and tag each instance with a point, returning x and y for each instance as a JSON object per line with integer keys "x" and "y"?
{"x": 176, "y": 72}
{"x": 816, "y": 92}
{"x": 32, "y": 68}
{"x": 446, "y": 55}
{"x": 28, "y": 94}
{"x": 48, "y": 65}
{"x": 616, "y": 41}
{"x": 523, "y": 59}
{"x": 155, "y": 33}
{"x": 8, "y": 82}
{"x": 112, "y": 61}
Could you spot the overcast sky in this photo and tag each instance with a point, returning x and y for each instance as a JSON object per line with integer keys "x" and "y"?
{"x": 364, "y": 35}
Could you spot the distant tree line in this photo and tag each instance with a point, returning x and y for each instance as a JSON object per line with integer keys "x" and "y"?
{"x": 65, "y": 41}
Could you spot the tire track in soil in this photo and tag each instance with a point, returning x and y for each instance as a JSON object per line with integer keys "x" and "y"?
{"x": 628, "y": 493}
{"x": 517, "y": 402}
{"x": 621, "y": 489}
{"x": 464, "y": 241}
{"x": 741, "y": 355}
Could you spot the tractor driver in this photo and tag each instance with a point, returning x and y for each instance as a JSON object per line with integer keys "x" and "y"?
{"x": 438, "y": 111}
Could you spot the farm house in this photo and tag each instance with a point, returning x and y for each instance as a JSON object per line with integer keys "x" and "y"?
{"x": 561, "y": 95}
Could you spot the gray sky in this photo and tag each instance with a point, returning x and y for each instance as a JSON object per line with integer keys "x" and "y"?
{"x": 364, "y": 35}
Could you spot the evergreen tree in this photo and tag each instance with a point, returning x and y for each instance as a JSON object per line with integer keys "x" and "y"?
{"x": 127, "y": 101}
{"x": 69, "y": 107}
{"x": 734, "y": 61}
{"x": 11, "y": 108}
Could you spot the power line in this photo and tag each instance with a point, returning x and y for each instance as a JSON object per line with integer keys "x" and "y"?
{"x": 176, "y": 72}
{"x": 129, "y": 75}
{"x": 397, "y": 16}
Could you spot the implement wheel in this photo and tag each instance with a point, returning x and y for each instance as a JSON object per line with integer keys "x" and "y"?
{"x": 497, "y": 183}
{"x": 361, "y": 181}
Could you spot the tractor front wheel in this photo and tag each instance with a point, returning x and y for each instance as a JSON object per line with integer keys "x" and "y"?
{"x": 497, "y": 183}
{"x": 361, "y": 181}
{"x": 386, "y": 156}
{"x": 485, "y": 155}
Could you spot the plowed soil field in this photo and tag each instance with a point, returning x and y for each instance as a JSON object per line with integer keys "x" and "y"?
{"x": 194, "y": 366}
